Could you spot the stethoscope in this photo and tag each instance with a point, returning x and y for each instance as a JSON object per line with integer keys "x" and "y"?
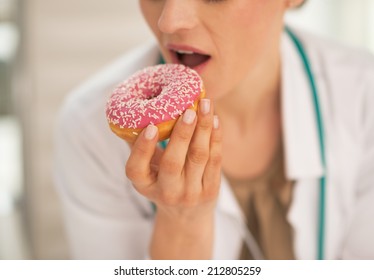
{"x": 248, "y": 238}
{"x": 321, "y": 138}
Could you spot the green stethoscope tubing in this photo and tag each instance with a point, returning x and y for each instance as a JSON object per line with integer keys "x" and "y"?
{"x": 321, "y": 138}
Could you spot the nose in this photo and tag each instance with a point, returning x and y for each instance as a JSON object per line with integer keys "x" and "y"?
{"x": 177, "y": 15}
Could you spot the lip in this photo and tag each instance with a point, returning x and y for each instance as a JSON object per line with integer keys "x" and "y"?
{"x": 174, "y": 47}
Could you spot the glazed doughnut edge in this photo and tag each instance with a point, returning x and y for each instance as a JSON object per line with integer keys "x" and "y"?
{"x": 164, "y": 128}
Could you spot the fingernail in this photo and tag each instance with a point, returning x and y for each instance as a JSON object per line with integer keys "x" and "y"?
{"x": 215, "y": 122}
{"x": 189, "y": 116}
{"x": 204, "y": 106}
{"x": 150, "y": 132}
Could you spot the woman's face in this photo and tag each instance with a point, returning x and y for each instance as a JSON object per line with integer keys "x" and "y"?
{"x": 228, "y": 42}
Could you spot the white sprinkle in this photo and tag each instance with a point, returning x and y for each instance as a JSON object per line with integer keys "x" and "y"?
{"x": 158, "y": 95}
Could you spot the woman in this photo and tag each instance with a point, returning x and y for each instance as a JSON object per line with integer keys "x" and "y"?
{"x": 239, "y": 179}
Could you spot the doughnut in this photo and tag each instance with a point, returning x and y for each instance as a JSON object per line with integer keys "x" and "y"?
{"x": 155, "y": 95}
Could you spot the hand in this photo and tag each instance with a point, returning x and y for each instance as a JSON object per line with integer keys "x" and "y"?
{"x": 183, "y": 180}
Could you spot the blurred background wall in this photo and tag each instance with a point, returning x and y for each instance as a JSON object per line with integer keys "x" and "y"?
{"x": 47, "y": 47}
{"x": 61, "y": 44}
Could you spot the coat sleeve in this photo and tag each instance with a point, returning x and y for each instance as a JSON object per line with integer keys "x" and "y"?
{"x": 359, "y": 242}
{"x": 104, "y": 216}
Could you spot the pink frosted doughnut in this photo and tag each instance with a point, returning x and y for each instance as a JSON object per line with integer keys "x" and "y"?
{"x": 156, "y": 95}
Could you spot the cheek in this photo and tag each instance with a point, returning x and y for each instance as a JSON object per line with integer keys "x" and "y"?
{"x": 151, "y": 13}
{"x": 258, "y": 21}
{"x": 253, "y": 28}
{"x": 245, "y": 36}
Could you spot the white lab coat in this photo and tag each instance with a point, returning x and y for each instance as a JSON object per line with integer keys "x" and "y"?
{"x": 107, "y": 219}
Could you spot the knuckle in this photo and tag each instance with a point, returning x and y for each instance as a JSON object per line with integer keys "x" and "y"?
{"x": 190, "y": 199}
{"x": 198, "y": 155}
{"x": 183, "y": 135}
{"x": 210, "y": 193}
{"x": 140, "y": 150}
{"x": 170, "y": 166}
{"x": 216, "y": 137}
{"x": 142, "y": 190}
{"x": 215, "y": 160}
{"x": 169, "y": 198}
{"x": 205, "y": 124}
{"x": 132, "y": 172}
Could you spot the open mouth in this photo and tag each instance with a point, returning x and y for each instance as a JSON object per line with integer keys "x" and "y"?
{"x": 189, "y": 58}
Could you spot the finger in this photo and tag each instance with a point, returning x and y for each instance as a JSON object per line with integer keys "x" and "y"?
{"x": 173, "y": 159}
{"x": 155, "y": 161}
{"x": 138, "y": 167}
{"x": 198, "y": 153}
{"x": 212, "y": 174}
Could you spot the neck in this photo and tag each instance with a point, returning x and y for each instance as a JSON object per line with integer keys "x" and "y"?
{"x": 258, "y": 96}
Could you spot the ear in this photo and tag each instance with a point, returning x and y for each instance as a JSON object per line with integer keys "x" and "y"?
{"x": 293, "y": 3}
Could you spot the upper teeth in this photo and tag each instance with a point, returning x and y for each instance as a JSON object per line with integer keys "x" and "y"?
{"x": 184, "y": 52}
